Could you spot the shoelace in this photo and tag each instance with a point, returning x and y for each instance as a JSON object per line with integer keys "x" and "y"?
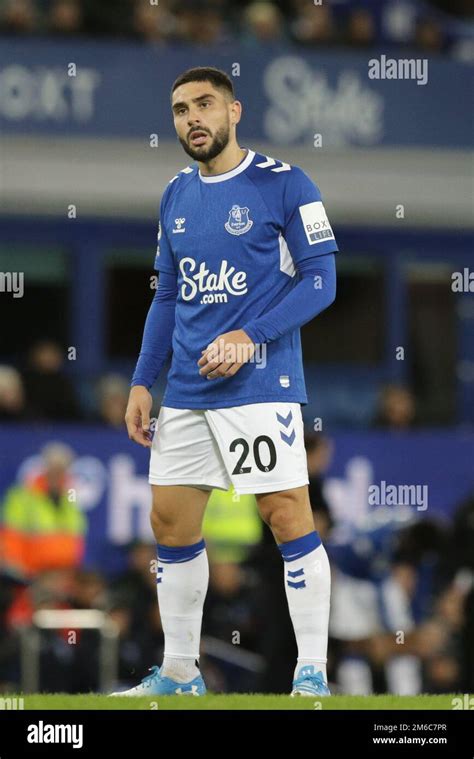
{"x": 154, "y": 671}
{"x": 313, "y": 679}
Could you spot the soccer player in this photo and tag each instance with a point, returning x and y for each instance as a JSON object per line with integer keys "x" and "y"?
{"x": 245, "y": 258}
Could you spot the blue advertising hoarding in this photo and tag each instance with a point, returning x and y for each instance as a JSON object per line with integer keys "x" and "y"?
{"x": 290, "y": 97}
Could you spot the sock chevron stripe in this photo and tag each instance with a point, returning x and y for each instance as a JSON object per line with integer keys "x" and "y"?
{"x": 296, "y": 585}
{"x": 296, "y": 572}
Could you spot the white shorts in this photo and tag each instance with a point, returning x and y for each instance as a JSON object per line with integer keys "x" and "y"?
{"x": 258, "y": 448}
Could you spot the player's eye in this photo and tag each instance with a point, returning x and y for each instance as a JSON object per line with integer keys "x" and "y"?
{"x": 206, "y": 102}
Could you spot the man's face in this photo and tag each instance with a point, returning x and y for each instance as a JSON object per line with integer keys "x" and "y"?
{"x": 202, "y": 119}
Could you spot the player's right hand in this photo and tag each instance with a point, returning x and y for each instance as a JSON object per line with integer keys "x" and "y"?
{"x": 137, "y": 416}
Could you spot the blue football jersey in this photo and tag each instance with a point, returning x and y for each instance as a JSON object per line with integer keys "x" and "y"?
{"x": 234, "y": 241}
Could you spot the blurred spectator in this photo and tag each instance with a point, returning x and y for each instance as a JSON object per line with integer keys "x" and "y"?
{"x": 113, "y": 398}
{"x": 90, "y": 590}
{"x": 360, "y": 28}
{"x": 319, "y": 451}
{"x": 50, "y": 394}
{"x": 207, "y": 22}
{"x": 429, "y": 36}
{"x": 19, "y": 17}
{"x": 40, "y": 527}
{"x": 108, "y": 18}
{"x": 443, "y": 670}
{"x": 12, "y": 400}
{"x": 231, "y": 526}
{"x": 65, "y": 18}
{"x": 396, "y": 409}
{"x": 152, "y": 23}
{"x": 68, "y": 658}
{"x": 9, "y": 589}
{"x": 461, "y": 563}
{"x": 137, "y": 585}
{"x": 228, "y": 604}
{"x": 313, "y": 25}
{"x": 370, "y": 602}
{"x": 462, "y": 8}
{"x": 134, "y": 608}
{"x": 387, "y": 580}
{"x": 201, "y": 24}
{"x": 463, "y": 542}
{"x": 231, "y": 606}
{"x": 263, "y": 23}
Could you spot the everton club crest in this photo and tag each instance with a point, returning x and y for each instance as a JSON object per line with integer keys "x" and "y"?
{"x": 238, "y": 221}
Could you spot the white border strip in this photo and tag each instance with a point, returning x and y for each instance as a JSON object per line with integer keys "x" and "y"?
{"x": 233, "y": 172}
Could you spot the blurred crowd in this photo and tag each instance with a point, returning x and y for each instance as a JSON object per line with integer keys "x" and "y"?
{"x": 40, "y": 389}
{"x": 426, "y": 26}
{"x": 402, "y": 608}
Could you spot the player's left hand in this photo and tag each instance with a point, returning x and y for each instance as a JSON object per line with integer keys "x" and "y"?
{"x": 226, "y": 354}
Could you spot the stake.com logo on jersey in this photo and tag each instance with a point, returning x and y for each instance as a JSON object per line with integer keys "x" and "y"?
{"x": 216, "y": 286}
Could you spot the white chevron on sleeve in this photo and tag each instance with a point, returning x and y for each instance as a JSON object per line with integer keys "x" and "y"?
{"x": 267, "y": 163}
{"x": 283, "y": 167}
{"x": 186, "y": 170}
{"x": 271, "y": 162}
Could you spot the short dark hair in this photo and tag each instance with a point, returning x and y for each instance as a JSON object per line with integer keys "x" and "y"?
{"x": 219, "y": 79}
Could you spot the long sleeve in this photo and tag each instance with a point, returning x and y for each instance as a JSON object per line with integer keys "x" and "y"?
{"x": 314, "y": 292}
{"x": 158, "y": 332}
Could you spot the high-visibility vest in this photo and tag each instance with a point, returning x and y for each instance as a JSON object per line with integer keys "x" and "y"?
{"x": 37, "y": 534}
{"x": 231, "y": 524}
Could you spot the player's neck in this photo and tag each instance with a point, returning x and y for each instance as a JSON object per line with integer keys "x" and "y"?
{"x": 230, "y": 157}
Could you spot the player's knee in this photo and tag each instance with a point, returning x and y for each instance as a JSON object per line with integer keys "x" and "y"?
{"x": 286, "y": 513}
{"x": 270, "y": 507}
{"x": 281, "y": 519}
{"x": 161, "y": 521}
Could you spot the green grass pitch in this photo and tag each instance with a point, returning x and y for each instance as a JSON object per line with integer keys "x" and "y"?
{"x": 63, "y": 701}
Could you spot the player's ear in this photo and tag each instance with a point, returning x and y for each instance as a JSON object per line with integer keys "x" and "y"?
{"x": 236, "y": 111}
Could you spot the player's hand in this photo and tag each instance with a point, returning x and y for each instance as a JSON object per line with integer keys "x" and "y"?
{"x": 226, "y": 354}
{"x": 137, "y": 416}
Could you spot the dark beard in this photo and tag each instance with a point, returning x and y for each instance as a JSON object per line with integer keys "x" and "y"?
{"x": 206, "y": 154}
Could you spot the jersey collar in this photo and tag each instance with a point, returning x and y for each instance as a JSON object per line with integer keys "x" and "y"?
{"x": 245, "y": 162}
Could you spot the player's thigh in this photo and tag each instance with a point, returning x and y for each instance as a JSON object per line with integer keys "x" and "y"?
{"x": 178, "y": 511}
{"x": 262, "y": 445}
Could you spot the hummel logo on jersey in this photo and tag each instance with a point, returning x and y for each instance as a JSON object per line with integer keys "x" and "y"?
{"x": 238, "y": 221}
{"x": 179, "y": 225}
{"x": 216, "y": 286}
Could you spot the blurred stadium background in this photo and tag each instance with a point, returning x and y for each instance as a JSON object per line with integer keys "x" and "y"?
{"x": 87, "y": 146}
